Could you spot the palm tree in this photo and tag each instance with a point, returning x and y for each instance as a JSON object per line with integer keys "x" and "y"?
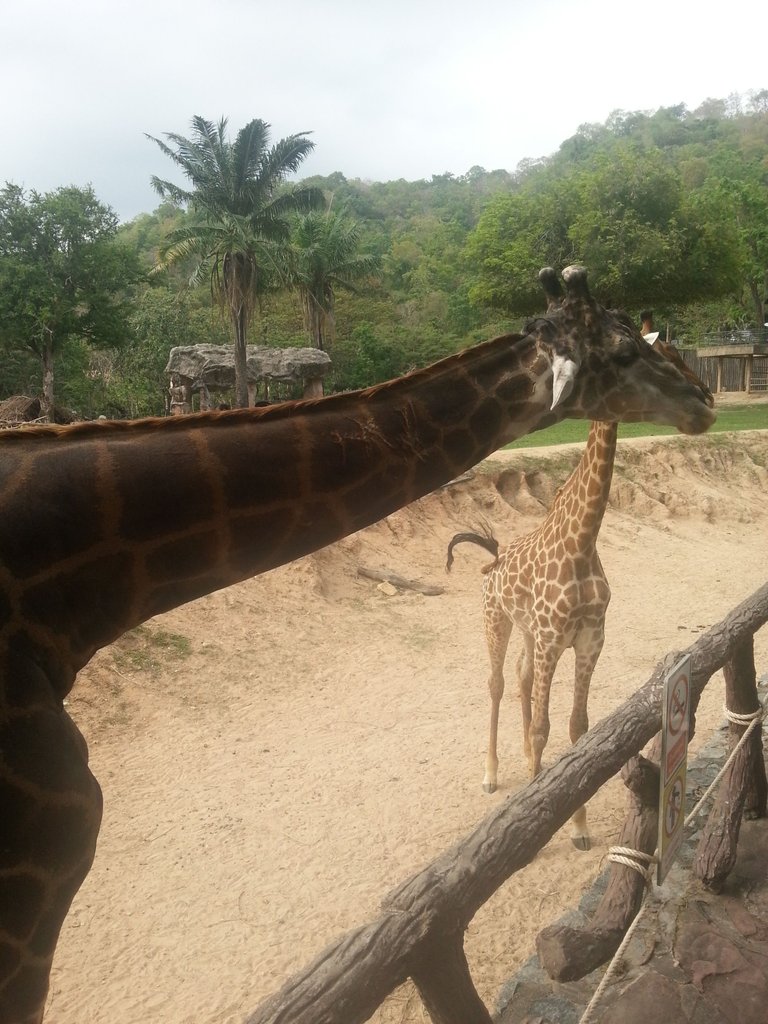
{"x": 324, "y": 257}
{"x": 240, "y": 206}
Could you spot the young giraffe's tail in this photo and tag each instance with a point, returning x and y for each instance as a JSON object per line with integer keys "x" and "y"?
{"x": 486, "y": 540}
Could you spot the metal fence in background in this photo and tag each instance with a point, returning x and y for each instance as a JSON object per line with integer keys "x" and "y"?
{"x": 753, "y": 336}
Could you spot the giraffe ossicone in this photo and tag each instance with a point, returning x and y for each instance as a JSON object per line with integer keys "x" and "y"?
{"x": 105, "y": 524}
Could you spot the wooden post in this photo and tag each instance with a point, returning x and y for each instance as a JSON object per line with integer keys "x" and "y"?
{"x": 719, "y": 386}
{"x": 445, "y": 984}
{"x": 567, "y": 953}
{"x": 743, "y": 788}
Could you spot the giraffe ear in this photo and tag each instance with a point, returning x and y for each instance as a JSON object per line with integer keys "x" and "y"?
{"x": 564, "y": 372}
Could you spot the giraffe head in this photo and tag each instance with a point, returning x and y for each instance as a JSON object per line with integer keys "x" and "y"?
{"x": 603, "y": 368}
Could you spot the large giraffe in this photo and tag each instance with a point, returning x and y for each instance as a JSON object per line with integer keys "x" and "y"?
{"x": 104, "y": 525}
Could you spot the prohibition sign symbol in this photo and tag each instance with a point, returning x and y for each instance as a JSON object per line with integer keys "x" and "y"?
{"x": 678, "y": 704}
{"x": 674, "y": 807}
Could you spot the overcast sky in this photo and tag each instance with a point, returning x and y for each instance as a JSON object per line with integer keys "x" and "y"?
{"x": 392, "y": 89}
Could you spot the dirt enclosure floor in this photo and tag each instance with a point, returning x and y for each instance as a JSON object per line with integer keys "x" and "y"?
{"x": 279, "y": 755}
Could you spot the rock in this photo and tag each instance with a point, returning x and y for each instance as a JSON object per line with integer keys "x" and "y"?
{"x": 214, "y": 365}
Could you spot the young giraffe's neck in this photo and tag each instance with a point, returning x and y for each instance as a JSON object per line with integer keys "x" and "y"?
{"x": 106, "y": 525}
{"x": 580, "y": 506}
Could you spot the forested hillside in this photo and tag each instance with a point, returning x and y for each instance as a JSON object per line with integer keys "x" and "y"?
{"x": 668, "y": 209}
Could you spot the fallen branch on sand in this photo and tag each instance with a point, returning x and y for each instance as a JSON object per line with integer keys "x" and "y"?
{"x": 399, "y": 581}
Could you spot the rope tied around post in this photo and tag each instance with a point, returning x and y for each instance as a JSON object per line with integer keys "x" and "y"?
{"x": 738, "y": 719}
{"x": 635, "y": 859}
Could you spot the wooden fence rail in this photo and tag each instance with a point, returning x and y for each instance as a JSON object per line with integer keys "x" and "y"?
{"x": 420, "y": 932}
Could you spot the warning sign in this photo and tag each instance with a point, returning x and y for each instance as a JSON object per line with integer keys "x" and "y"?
{"x": 676, "y": 711}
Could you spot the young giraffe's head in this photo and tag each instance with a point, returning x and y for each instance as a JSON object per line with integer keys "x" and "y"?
{"x": 626, "y": 379}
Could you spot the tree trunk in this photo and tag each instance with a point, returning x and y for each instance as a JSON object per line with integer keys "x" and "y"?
{"x": 240, "y": 319}
{"x": 47, "y": 401}
{"x": 757, "y": 299}
{"x": 313, "y": 320}
{"x": 743, "y": 787}
{"x": 317, "y": 325}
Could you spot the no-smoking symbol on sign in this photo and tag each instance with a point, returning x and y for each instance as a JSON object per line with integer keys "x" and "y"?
{"x": 676, "y": 723}
{"x": 678, "y": 704}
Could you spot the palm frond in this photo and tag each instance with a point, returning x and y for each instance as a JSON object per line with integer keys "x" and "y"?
{"x": 167, "y": 190}
{"x": 248, "y": 152}
{"x": 285, "y": 157}
{"x": 292, "y": 200}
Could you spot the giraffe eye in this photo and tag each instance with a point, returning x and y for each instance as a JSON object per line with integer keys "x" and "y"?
{"x": 625, "y": 352}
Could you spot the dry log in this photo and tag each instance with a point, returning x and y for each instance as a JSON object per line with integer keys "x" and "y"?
{"x": 567, "y": 953}
{"x": 740, "y": 675}
{"x": 346, "y": 983}
{"x": 384, "y": 576}
{"x": 742, "y": 789}
{"x": 445, "y": 984}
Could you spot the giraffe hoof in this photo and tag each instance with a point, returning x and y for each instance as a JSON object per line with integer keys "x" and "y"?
{"x": 581, "y": 843}
{"x": 489, "y": 787}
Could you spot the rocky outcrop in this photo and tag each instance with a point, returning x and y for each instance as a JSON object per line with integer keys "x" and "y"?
{"x": 202, "y": 369}
{"x": 214, "y": 365}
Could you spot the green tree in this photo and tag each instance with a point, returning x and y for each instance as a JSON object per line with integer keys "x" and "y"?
{"x": 626, "y": 215}
{"x": 161, "y": 319}
{"x": 240, "y": 207}
{"x": 63, "y": 275}
{"x": 738, "y": 185}
{"x": 517, "y": 235}
{"x": 325, "y": 256}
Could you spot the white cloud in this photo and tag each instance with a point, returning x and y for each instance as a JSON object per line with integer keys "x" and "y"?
{"x": 389, "y": 89}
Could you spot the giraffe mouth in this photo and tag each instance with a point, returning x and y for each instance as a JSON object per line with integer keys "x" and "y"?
{"x": 698, "y": 421}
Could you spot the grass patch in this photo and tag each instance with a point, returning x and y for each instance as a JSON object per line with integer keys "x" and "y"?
{"x": 730, "y": 417}
{"x": 741, "y": 417}
{"x": 147, "y": 650}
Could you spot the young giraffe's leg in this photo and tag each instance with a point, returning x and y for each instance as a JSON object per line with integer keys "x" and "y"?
{"x": 525, "y": 686}
{"x": 545, "y": 659}
{"x": 497, "y": 632}
{"x": 50, "y": 808}
{"x": 587, "y": 647}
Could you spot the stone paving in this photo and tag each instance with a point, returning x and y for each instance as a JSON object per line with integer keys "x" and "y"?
{"x": 695, "y": 958}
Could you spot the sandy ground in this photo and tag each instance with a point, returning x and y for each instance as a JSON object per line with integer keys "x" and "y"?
{"x": 277, "y": 756}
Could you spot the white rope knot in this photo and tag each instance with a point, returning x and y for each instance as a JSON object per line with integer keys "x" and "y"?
{"x": 635, "y": 859}
{"x": 738, "y": 719}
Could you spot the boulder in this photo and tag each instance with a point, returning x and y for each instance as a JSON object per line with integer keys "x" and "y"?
{"x": 214, "y": 365}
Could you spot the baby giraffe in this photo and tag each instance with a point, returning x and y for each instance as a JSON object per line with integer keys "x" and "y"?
{"x": 551, "y": 585}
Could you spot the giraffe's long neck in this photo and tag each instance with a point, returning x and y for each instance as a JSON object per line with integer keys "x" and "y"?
{"x": 584, "y": 498}
{"x": 106, "y": 525}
